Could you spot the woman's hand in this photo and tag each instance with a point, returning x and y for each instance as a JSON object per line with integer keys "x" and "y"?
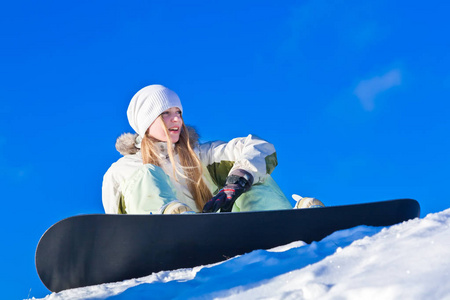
{"x": 175, "y": 207}
{"x": 237, "y": 183}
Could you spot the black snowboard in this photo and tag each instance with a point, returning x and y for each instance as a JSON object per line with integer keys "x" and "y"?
{"x": 92, "y": 249}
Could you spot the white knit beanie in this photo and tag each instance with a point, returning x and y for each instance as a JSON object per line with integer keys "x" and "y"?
{"x": 148, "y": 104}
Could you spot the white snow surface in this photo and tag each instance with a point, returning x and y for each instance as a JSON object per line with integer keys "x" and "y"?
{"x": 410, "y": 260}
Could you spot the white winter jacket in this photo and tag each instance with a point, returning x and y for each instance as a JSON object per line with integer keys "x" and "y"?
{"x": 131, "y": 187}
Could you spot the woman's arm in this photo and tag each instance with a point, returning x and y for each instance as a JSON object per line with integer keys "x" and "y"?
{"x": 252, "y": 154}
{"x": 147, "y": 191}
{"x": 110, "y": 193}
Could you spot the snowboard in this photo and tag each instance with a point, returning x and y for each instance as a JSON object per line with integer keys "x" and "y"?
{"x": 93, "y": 249}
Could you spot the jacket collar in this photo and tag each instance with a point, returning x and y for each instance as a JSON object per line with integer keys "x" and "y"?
{"x": 163, "y": 150}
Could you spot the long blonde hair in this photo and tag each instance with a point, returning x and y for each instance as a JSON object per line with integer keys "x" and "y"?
{"x": 191, "y": 167}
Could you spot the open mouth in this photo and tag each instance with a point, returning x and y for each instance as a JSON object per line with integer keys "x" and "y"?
{"x": 174, "y": 129}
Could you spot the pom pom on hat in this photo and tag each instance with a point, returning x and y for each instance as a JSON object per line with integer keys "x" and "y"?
{"x": 147, "y": 104}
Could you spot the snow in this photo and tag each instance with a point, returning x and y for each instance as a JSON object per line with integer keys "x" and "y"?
{"x": 410, "y": 260}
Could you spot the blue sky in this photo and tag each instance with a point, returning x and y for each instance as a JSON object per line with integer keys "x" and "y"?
{"x": 354, "y": 95}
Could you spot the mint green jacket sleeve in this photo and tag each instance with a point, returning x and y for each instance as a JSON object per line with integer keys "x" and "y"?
{"x": 146, "y": 191}
{"x": 256, "y": 156}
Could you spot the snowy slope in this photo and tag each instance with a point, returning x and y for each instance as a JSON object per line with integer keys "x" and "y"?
{"x": 406, "y": 261}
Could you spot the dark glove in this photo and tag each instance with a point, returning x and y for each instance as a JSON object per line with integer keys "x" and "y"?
{"x": 237, "y": 183}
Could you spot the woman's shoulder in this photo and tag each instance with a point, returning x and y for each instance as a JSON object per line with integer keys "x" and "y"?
{"x": 125, "y": 166}
{"x": 131, "y": 159}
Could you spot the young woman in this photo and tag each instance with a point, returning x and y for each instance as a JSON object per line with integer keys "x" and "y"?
{"x": 165, "y": 170}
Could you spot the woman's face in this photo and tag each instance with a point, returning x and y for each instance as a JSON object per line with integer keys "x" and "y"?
{"x": 172, "y": 120}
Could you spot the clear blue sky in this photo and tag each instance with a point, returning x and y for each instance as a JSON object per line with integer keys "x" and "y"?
{"x": 354, "y": 95}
